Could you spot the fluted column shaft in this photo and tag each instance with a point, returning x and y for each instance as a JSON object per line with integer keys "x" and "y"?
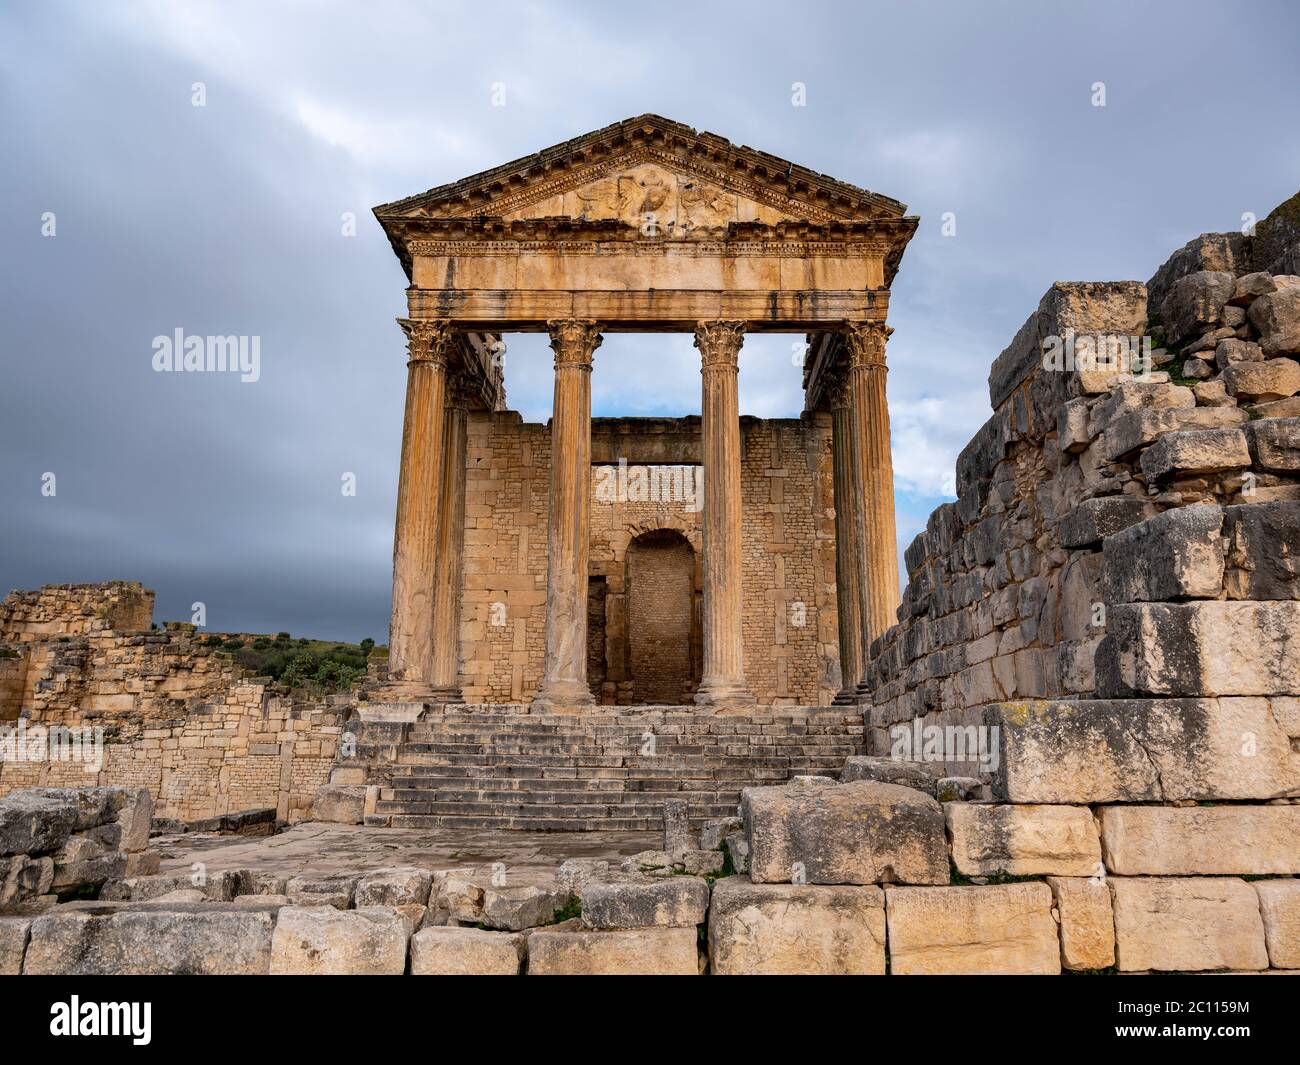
{"x": 869, "y": 408}
{"x": 723, "y": 682}
{"x": 416, "y": 531}
{"x": 451, "y": 546}
{"x": 848, "y": 505}
{"x": 564, "y": 681}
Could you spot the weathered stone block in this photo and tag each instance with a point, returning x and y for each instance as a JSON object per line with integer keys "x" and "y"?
{"x": 1279, "y": 907}
{"x": 1231, "y": 647}
{"x": 638, "y": 952}
{"x": 786, "y": 929}
{"x": 322, "y": 941}
{"x": 335, "y": 889}
{"x": 1194, "y": 452}
{"x": 1228, "y": 252}
{"x": 1275, "y": 444}
{"x": 32, "y": 823}
{"x": 1087, "y": 924}
{"x": 1173, "y": 555}
{"x": 916, "y": 775}
{"x": 634, "y": 901}
{"x": 86, "y": 943}
{"x": 1027, "y": 840}
{"x": 1092, "y": 520}
{"x": 527, "y": 906}
{"x": 1194, "y": 302}
{"x": 1184, "y": 925}
{"x": 23, "y": 880}
{"x": 339, "y": 804}
{"x": 14, "y": 933}
{"x": 1277, "y": 317}
{"x": 1200, "y": 840}
{"x": 466, "y": 952}
{"x": 863, "y": 832}
{"x": 394, "y": 887}
{"x": 1262, "y": 547}
{"x": 999, "y": 929}
{"x": 1141, "y": 750}
{"x": 1265, "y": 381}
{"x": 1125, "y": 435}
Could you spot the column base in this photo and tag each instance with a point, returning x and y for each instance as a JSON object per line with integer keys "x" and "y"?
{"x": 562, "y": 696}
{"x": 724, "y": 697}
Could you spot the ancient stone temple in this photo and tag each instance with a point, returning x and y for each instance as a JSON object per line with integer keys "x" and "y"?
{"x": 723, "y": 562}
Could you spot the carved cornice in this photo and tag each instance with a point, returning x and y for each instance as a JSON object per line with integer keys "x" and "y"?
{"x": 865, "y": 342}
{"x": 428, "y": 340}
{"x": 574, "y": 341}
{"x": 702, "y": 249}
{"x": 719, "y": 343}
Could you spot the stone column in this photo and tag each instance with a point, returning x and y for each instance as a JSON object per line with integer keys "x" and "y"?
{"x": 451, "y": 545}
{"x": 723, "y": 682}
{"x": 415, "y": 536}
{"x": 564, "y": 680}
{"x": 865, "y": 342}
{"x": 848, "y": 506}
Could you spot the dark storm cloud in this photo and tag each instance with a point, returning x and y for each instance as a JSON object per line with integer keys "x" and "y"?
{"x": 227, "y": 219}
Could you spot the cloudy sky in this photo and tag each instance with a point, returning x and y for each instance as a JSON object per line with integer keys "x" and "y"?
{"x": 229, "y": 219}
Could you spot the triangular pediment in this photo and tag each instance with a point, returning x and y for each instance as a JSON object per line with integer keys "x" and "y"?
{"x": 687, "y": 181}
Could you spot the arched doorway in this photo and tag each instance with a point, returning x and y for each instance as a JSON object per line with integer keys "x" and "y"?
{"x": 662, "y": 618}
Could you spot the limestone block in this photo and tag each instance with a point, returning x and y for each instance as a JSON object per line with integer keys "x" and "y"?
{"x": 1275, "y": 444}
{"x": 526, "y": 906}
{"x": 322, "y": 941}
{"x": 14, "y": 933}
{"x": 136, "y": 943}
{"x": 703, "y": 863}
{"x": 1265, "y": 381}
{"x": 862, "y": 832}
{"x": 1279, "y": 906}
{"x": 1201, "y": 840}
{"x": 737, "y": 844}
{"x": 1176, "y": 554}
{"x": 1232, "y": 351}
{"x": 1087, "y": 923}
{"x": 337, "y": 890}
{"x": 1144, "y": 427}
{"x": 998, "y": 929}
{"x": 1092, "y": 520}
{"x": 1230, "y": 647}
{"x": 1251, "y": 286}
{"x": 339, "y": 804}
{"x": 1262, "y": 547}
{"x": 404, "y": 886}
{"x": 1229, "y": 252}
{"x": 466, "y": 952}
{"x": 458, "y": 896}
{"x": 23, "y": 880}
{"x": 635, "y": 901}
{"x": 1194, "y": 302}
{"x": 1186, "y": 924}
{"x": 1140, "y": 750}
{"x": 787, "y": 929}
{"x": 574, "y": 872}
{"x": 1072, "y": 426}
{"x": 1212, "y": 394}
{"x": 1194, "y": 452}
{"x": 714, "y": 831}
{"x": 1279, "y": 408}
{"x": 31, "y": 823}
{"x": 1277, "y": 317}
{"x": 918, "y": 775}
{"x": 1027, "y": 840}
{"x": 637, "y": 952}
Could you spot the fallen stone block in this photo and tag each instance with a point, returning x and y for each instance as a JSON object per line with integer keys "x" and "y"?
{"x": 139, "y": 943}
{"x": 714, "y": 831}
{"x": 654, "y": 863}
{"x": 458, "y": 896}
{"x": 405, "y": 886}
{"x": 1195, "y": 302}
{"x": 999, "y": 929}
{"x": 1186, "y": 925}
{"x": 528, "y": 906}
{"x": 1087, "y": 924}
{"x": 32, "y": 823}
{"x": 14, "y": 933}
{"x": 633, "y": 901}
{"x": 1263, "y": 382}
{"x": 1092, "y": 520}
{"x": 1140, "y": 428}
{"x": 1231, "y": 647}
{"x": 1140, "y": 750}
{"x": 322, "y": 941}
{"x": 574, "y": 872}
{"x": 24, "y": 880}
{"x": 1195, "y": 452}
{"x": 340, "y": 804}
{"x": 638, "y": 952}
{"x": 1174, "y": 555}
{"x": 786, "y": 929}
{"x": 466, "y": 952}
{"x": 863, "y": 832}
{"x": 1275, "y": 444}
{"x": 1277, "y": 317}
{"x": 737, "y": 844}
{"x": 916, "y": 775}
{"x": 1262, "y": 550}
{"x": 1279, "y": 908}
{"x": 1201, "y": 840}
{"x": 337, "y": 890}
{"x": 1025, "y": 840}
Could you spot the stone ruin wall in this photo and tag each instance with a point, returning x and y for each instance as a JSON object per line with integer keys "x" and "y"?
{"x": 179, "y": 717}
{"x": 788, "y": 546}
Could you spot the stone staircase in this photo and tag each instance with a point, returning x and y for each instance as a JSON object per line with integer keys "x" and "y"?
{"x": 502, "y": 767}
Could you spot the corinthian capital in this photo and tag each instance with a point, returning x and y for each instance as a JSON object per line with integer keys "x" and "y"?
{"x": 719, "y": 343}
{"x": 866, "y": 344}
{"x": 428, "y": 340}
{"x": 574, "y": 341}
{"x": 837, "y": 387}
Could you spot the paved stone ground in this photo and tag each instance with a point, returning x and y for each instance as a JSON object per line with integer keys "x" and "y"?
{"x": 311, "y": 847}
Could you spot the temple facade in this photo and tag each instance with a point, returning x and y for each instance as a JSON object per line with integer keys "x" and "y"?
{"x": 722, "y": 561}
